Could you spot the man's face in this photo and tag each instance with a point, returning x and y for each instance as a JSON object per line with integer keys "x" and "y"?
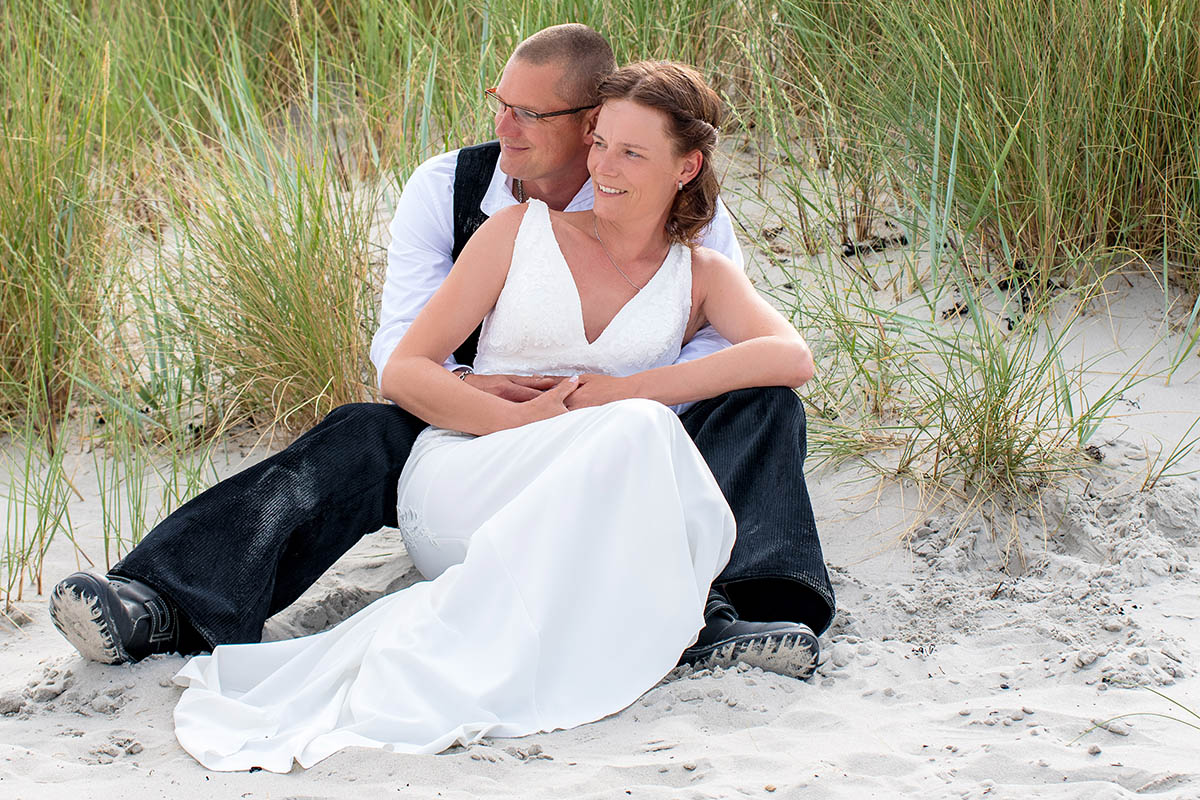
{"x": 543, "y": 150}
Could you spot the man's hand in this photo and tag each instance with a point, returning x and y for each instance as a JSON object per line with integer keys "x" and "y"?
{"x": 516, "y": 388}
{"x": 596, "y": 390}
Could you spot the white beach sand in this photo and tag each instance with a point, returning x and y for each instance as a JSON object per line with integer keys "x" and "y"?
{"x": 971, "y": 657}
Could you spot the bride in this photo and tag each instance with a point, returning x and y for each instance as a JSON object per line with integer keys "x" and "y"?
{"x": 546, "y": 527}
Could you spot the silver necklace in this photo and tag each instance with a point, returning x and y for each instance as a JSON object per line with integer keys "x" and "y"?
{"x": 611, "y": 260}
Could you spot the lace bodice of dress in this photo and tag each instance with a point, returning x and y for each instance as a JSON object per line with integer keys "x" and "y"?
{"x": 537, "y": 324}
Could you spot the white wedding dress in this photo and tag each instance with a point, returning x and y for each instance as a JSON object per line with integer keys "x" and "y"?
{"x": 569, "y": 560}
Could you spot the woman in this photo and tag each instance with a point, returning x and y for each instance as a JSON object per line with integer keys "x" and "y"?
{"x": 542, "y": 532}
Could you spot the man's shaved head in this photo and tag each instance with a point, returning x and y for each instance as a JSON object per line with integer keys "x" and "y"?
{"x": 584, "y": 55}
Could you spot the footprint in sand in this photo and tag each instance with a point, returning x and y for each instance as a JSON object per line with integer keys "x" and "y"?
{"x": 50, "y": 686}
{"x": 119, "y": 744}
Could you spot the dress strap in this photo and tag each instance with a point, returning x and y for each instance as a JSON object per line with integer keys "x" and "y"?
{"x": 535, "y": 237}
{"x": 538, "y": 210}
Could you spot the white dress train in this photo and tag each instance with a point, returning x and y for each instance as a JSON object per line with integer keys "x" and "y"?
{"x": 569, "y": 560}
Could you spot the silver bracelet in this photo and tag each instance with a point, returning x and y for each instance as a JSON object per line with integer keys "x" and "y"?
{"x": 463, "y": 371}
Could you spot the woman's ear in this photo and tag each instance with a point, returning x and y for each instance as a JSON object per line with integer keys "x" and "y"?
{"x": 691, "y": 166}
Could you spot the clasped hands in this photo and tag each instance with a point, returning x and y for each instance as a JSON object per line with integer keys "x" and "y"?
{"x": 590, "y": 390}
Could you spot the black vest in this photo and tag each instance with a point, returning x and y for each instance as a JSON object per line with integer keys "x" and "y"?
{"x": 472, "y": 176}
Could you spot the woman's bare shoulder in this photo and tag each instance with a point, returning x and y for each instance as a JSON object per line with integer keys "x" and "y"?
{"x": 506, "y": 219}
{"x": 495, "y": 236}
{"x": 711, "y": 265}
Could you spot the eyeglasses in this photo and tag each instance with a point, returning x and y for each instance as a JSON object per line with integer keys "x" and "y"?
{"x": 523, "y": 115}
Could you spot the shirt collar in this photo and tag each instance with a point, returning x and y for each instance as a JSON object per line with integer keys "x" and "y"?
{"x": 499, "y": 195}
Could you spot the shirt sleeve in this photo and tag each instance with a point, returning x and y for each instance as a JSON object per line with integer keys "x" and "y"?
{"x": 418, "y": 256}
{"x": 718, "y": 236}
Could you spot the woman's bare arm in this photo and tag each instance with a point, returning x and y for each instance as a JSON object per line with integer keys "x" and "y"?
{"x": 414, "y": 377}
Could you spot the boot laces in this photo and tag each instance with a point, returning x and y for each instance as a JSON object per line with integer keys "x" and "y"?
{"x": 718, "y": 606}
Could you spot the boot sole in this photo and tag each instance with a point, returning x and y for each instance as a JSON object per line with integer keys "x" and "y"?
{"x": 83, "y": 616}
{"x": 791, "y": 653}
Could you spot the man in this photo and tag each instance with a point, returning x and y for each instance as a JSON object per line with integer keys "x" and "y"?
{"x": 219, "y": 566}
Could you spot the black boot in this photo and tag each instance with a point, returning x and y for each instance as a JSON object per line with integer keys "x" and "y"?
{"x": 789, "y": 648}
{"x": 113, "y": 620}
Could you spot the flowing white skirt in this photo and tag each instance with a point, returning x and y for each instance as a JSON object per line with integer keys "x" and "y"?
{"x": 570, "y": 561}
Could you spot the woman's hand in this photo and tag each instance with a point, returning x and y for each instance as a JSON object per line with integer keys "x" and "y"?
{"x": 550, "y": 403}
{"x": 596, "y": 390}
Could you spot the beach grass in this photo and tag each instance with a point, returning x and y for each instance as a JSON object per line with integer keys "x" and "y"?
{"x": 195, "y": 195}
{"x": 957, "y": 384}
{"x": 53, "y": 226}
{"x": 36, "y": 491}
{"x": 1075, "y": 125}
{"x": 1176, "y": 711}
{"x": 276, "y": 276}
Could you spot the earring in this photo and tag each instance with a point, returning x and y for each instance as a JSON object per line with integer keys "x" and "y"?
{"x": 680, "y": 186}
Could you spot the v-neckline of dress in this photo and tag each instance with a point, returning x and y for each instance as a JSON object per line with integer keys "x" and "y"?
{"x": 579, "y": 298}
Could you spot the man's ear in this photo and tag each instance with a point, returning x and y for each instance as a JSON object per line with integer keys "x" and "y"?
{"x": 589, "y": 124}
{"x": 691, "y": 166}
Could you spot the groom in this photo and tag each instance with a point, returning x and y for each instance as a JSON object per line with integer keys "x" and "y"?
{"x": 213, "y": 571}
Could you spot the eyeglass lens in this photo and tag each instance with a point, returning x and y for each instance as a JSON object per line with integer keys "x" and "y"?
{"x": 497, "y": 106}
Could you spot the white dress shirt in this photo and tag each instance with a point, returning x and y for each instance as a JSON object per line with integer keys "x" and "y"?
{"x": 422, "y": 234}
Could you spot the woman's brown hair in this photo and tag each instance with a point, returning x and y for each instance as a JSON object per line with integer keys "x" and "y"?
{"x": 693, "y": 113}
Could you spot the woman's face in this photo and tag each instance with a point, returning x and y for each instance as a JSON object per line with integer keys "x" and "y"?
{"x": 634, "y": 167}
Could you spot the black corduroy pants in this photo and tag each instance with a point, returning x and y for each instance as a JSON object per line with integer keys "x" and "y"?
{"x": 755, "y": 442}
{"x": 250, "y": 545}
